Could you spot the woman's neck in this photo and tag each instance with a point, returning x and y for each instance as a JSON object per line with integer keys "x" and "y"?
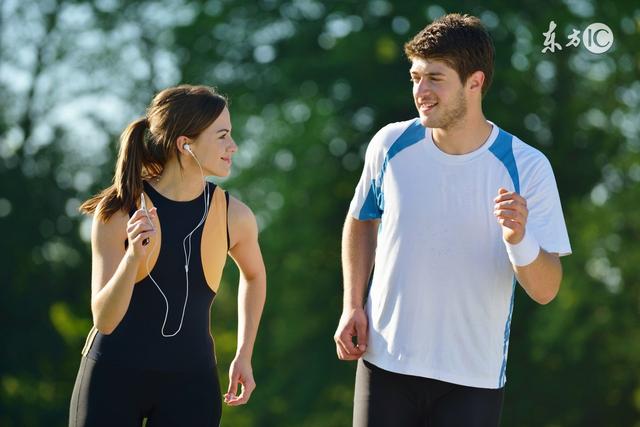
{"x": 179, "y": 184}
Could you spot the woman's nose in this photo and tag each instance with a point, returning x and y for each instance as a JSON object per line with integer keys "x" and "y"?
{"x": 233, "y": 147}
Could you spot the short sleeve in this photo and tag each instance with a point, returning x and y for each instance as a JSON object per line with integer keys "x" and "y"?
{"x": 545, "y": 220}
{"x": 367, "y": 202}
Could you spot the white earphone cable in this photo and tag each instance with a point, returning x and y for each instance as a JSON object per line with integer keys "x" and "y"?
{"x": 187, "y": 257}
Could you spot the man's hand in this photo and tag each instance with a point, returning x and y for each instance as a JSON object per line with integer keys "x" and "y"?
{"x": 353, "y": 323}
{"x": 511, "y": 211}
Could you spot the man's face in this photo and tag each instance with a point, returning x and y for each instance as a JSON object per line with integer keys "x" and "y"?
{"x": 438, "y": 93}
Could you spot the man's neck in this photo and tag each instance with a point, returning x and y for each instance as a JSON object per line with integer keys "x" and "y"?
{"x": 464, "y": 137}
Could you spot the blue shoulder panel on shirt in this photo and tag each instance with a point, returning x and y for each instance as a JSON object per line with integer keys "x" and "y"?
{"x": 374, "y": 203}
{"x": 502, "y": 148}
{"x": 411, "y": 135}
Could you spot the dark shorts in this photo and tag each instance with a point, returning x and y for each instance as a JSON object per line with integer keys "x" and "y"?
{"x": 109, "y": 395}
{"x": 389, "y": 399}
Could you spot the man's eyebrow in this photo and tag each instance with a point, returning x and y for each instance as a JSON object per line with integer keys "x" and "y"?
{"x": 431, "y": 73}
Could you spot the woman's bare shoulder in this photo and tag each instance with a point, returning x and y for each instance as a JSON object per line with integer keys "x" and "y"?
{"x": 114, "y": 228}
{"x": 242, "y": 221}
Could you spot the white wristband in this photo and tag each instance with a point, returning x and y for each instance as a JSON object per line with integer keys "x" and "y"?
{"x": 525, "y": 252}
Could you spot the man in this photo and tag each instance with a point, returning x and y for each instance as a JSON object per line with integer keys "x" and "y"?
{"x": 449, "y": 206}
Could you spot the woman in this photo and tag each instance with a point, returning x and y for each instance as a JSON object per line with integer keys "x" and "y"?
{"x": 160, "y": 237}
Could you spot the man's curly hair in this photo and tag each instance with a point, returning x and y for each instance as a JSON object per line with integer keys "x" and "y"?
{"x": 458, "y": 40}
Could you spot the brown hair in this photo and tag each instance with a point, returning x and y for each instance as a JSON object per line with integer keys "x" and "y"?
{"x": 460, "y": 41}
{"x": 148, "y": 142}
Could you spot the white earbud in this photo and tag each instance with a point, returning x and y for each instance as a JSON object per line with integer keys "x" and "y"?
{"x": 188, "y": 148}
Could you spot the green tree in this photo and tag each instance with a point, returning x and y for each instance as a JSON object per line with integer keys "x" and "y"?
{"x": 310, "y": 82}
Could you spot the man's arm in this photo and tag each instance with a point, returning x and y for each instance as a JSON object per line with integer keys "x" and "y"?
{"x": 539, "y": 272}
{"x": 359, "y": 240}
{"x": 541, "y": 279}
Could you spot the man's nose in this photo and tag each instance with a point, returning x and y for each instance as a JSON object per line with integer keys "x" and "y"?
{"x": 423, "y": 87}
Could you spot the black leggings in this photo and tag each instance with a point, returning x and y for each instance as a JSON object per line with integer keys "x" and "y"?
{"x": 108, "y": 395}
{"x": 388, "y": 399}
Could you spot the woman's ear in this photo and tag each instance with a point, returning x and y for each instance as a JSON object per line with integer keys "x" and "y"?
{"x": 181, "y": 142}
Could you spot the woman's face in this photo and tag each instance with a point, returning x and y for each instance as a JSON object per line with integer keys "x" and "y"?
{"x": 214, "y": 147}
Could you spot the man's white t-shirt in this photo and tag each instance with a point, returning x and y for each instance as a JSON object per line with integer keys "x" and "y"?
{"x": 441, "y": 297}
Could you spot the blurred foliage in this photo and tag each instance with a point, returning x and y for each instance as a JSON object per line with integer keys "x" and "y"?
{"x": 310, "y": 82}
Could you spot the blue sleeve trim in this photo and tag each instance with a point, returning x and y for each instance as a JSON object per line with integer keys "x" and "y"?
{"x": 371, "y": 209}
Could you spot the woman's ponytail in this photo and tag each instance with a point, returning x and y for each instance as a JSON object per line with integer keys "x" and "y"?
{"x": 127, "y": 181}
{"x": 128, "y": 176}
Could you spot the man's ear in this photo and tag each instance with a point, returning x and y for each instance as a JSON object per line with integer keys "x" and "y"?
{"x": 475, "y": 81}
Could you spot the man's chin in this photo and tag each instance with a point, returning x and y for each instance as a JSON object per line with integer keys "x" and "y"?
{"x": 429, "y": 122}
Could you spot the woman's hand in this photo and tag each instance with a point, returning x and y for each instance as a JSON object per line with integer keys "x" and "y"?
{"x": 139, "y": 228}
{"x": 240, "y": 373}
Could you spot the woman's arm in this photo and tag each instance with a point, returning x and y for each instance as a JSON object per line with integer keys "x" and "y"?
{"x": 113, "y": 270}
{"x": 245, "y": 251}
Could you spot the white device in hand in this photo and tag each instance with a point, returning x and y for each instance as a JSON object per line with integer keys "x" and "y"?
{"x": 143, "y": 206}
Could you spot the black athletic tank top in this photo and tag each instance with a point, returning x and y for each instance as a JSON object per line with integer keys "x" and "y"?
{"x": 137, "y": 341}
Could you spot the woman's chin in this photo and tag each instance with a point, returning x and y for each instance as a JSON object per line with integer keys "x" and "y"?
{"x": 221, "y": 173}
